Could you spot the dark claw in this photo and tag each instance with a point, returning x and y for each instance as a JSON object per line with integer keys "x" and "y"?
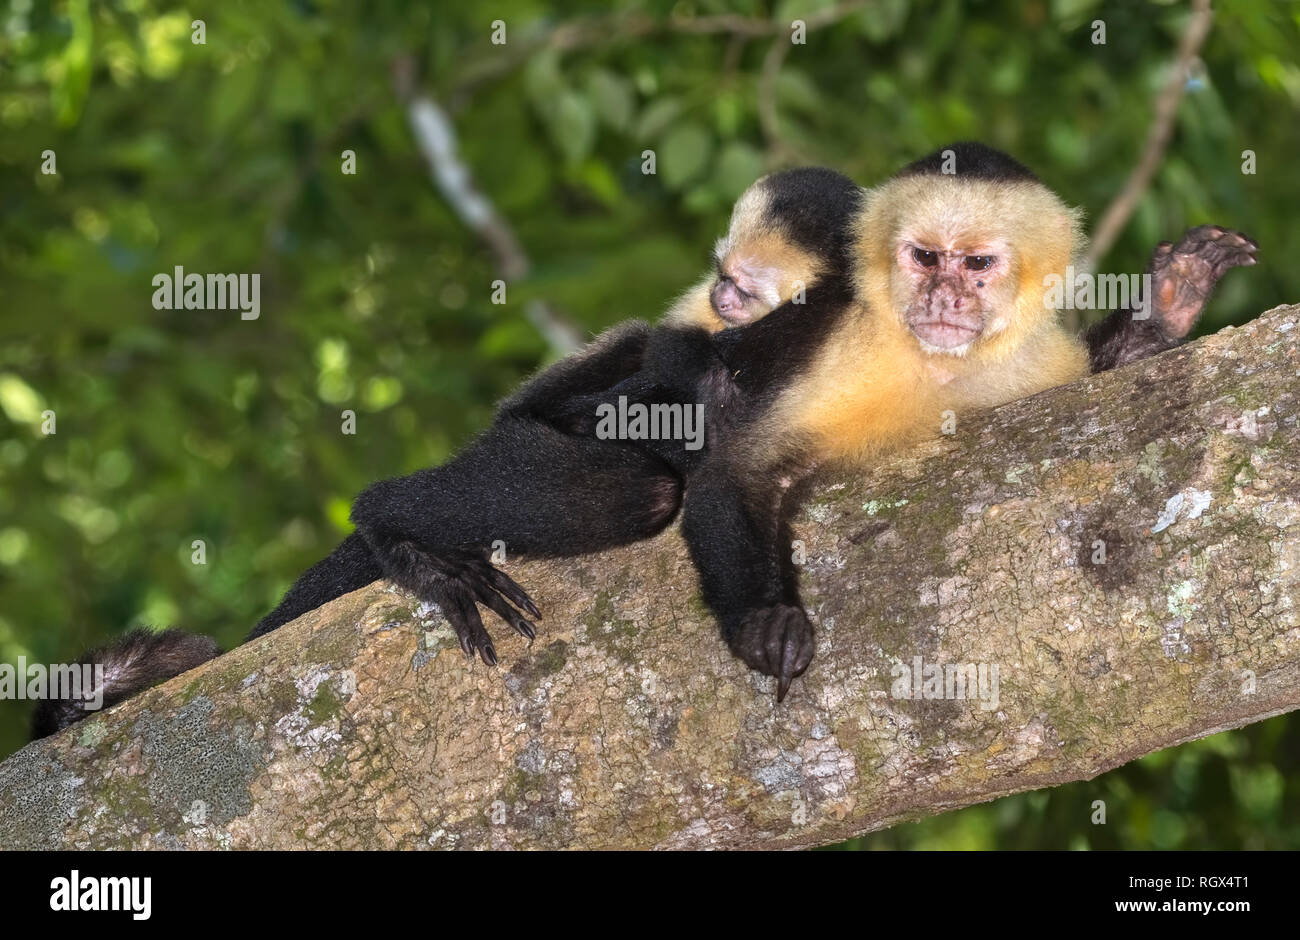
{"x": 463, "y": 580}
{"x": 504, "y": 584}
{"x": 777, "y": 641}
{"x": 497, "y": 581}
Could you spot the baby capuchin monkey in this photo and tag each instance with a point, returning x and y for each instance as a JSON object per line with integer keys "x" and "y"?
{"x": 948, "y": 312}
{"x": 539, "y": 479}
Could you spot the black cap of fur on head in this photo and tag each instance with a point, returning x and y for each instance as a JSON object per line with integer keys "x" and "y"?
{"x": 816, "y": 207}
{"x": 974, "y": 160}
{"x": 132, "y": 663}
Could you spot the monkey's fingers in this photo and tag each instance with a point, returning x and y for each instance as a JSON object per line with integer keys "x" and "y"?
{"x": 1184, "y": 275}
{"x": 493, "y": 602}
{"x": 796, "y": 653}
{"x": 481, "y": 575}
{"x": 502, "y": 583}
{"x": 457, "y": 604}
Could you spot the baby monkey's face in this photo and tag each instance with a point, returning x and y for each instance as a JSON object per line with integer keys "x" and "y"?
{"x": 756, "y": 274}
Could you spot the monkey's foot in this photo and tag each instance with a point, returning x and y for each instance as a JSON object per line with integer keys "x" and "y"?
{"x": 777, "y": 641}
{"x": 459, "y": 584}
{"x": 1183, "y": 275}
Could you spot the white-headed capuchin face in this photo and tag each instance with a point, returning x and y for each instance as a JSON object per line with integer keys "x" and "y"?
{"x": 961, "y": 263}
{"x": 955, "y": 287}
{"x": 786, "y": 232}
{"x": 757, "y": 274}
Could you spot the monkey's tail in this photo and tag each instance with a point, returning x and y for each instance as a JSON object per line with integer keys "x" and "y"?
{"x": 352, "y": 565}
{"x": 141, "y": 658}
{"x": 132, "y": 663}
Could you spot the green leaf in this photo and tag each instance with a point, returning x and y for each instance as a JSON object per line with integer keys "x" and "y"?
{"x": 738, "y": 165}
{"x": 511, "y": 339}
{"x": 234, "y": 96}
{"x": 795, "y": 90}
{"x": 72, "y": 73}
{"x": 612, "y": 98}
{"x": 883, "y": 19}
{"x": 656, "y": 117}
{"x": 683, "y": 154}
{"x": 291, "y": 91}
{"x": 572, "y": 126}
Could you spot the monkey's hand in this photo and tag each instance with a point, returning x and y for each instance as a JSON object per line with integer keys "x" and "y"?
{"x": 775, "y": 640}
{"x": 1183, "y": 275}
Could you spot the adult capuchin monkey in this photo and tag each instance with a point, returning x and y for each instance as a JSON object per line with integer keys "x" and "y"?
{"x": 949, "y": 311}
{"x": 540, "y": 478}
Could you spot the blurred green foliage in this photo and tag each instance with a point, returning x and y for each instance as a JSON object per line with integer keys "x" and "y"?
{"x": 226, "y": 156}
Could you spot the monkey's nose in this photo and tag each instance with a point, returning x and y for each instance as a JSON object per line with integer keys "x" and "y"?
{"x": 724, "y": 297}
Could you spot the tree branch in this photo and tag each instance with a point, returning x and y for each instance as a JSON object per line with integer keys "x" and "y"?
{"x": 436, "y": 139}
{"x": 497, "y": 61}
{"x": 1124, "y": 550}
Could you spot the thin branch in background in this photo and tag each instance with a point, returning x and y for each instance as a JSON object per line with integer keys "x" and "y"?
{"x": 436, "y": 139}
{"x": 1117, "y": 214}
{"x": 783, "y": 151}
{"x": 607, "y": 30}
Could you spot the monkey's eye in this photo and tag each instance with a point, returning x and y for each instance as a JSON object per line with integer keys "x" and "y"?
{"x": 926, "y": 259}
{"x": 979, "y": 262}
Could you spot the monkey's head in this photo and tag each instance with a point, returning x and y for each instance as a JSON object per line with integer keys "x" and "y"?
{"x": 957, "y": 247}
{"x": 787, "y": 230}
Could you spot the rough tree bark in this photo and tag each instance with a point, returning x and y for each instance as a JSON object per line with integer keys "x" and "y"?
{"x": 626, "y": 724}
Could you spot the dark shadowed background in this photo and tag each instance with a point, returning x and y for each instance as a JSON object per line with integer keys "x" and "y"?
{"x": 228, "y": 156}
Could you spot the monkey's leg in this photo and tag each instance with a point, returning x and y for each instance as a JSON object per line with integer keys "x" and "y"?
{"x": 611, "y": 358}
{"x": 523, "y": 484}
{"x": 734, "y": 529}
{"x": 1182, "y": 278}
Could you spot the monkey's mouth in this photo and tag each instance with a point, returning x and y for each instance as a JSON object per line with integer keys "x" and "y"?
{"x": 945, "y": 334}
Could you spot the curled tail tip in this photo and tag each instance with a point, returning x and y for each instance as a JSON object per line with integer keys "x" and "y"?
{"x": 135, "y": 661}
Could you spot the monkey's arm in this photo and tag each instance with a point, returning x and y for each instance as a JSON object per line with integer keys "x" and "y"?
{"x": 1182, "y": 278}
{"x": 676, "y": 369}
{"x": 738, "y": 538}
{"x": 746, "y": 365}
{"x": 610, "y": 358}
